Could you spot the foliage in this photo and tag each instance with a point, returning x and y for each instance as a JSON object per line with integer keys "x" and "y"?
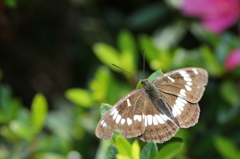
{"x": 64, "y": 127}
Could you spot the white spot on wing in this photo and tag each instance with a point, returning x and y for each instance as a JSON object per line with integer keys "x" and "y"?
{"x": 189, "y": 83}
{"x": 159, "y": 119}
{"x": 155, "y": 121}
{"x": 171, "y": 79}
{"x": 188, "y": 88}
{"x": 122, "y": 121}
{"x": 113, "y": 111}
{"x": 165, "y": 118}
{"x": 195, "y": 71}
{"x": 115, "y": 115}
{"x": 128, "y": 102}
{"x": 149, "y": 119}
{"x": 183, "y": 92}
{"x": 118, "y": 118}
{"x": 104, "y": 124}
{"x": 185, "y": 76}
{"x": 129, "y": 121}
{"x": 137, "y": 117}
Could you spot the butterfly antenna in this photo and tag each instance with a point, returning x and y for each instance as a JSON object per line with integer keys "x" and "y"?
{"x": 143, "y": 60}
{"x": 127, "y": 71}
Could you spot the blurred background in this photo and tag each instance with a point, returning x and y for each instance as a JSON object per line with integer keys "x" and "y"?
{"x": 55, "y": 70}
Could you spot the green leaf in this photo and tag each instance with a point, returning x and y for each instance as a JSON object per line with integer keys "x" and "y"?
{"x": 105, "y": 150}
{"x": 126, "y": 42}
{"x": 129, "y": 56}
{"x": 169, "y": 36}
{"x": 21, "y": 130}
{"x": 107, "y": 54}
{"x": 111, "y": 152}
{"x": 169, "y": 150}
{"x": 135, "y": 150}
{"x": 38, "y": 112}
{"x": 121, "y": 156}
{"x": 104, "y": 108}
{"x": 123, "y": 146}
{"x": 213, "y": 66}
{"x": 100, "y": 84}
{"x": 149, "y": 151}
{"x": 48, "y": 155}
{"x": 151, "y": 51}
{"x": 150, "y": 78}
{"x": 11, "y": 3}
{"x": 226, "y": 147}
{"x": 79, "y": 96}
{"x": 147, "y": 16}
{"x": 155, "y": 75}
{"x": 229, "y": 92}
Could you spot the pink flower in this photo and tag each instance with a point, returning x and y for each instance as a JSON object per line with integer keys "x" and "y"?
{"x": 233, "y": 60}
{"x": 216, "y": 15}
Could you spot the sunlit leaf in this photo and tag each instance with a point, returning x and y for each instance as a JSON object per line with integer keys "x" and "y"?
{"x": 123, "y": 146}
{"x": 21, "y": 130}
{"x": 100, "y": 84}
{"x": 79, "y": 96}
{"x": 107, "y": 54}
{"x": 135, "y": 150}
{"x": 38, "y": 112}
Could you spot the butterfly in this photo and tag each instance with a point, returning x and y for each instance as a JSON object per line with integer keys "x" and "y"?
{"x": 157, "y": 111}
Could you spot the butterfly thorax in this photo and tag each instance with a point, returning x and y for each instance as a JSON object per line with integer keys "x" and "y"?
{"x": 155, "y": 95}
{"x": 150, "y": 89}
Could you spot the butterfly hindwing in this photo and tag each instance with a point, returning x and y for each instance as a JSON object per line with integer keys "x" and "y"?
{"x": 158, "y": 126}
{"x": 185, "y": 114}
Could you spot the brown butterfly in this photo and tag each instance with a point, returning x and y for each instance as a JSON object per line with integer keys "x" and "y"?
{"x": 156, "y": 111}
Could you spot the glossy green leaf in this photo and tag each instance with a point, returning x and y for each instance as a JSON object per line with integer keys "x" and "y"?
{"x": 107, "y": 54}
{"x": 226, "y": 147}
{"x": 79, "y": 96}
{"x": 135, "y": 150}
{"x": 170, "y": 150}
{"x": 230, "y": 92}
{"x": 38, "y": 112}
{"x": 104, "y": 108}
{"x": 149, "y": 151}
{"x": 123, "y": 146}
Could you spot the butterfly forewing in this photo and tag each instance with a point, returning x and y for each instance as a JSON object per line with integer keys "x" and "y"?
{"x": 188, "y": 83}
{"x": 126, "y": 115}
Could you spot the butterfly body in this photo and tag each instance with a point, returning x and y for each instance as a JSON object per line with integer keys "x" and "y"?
{"x": 156, "y": 111}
